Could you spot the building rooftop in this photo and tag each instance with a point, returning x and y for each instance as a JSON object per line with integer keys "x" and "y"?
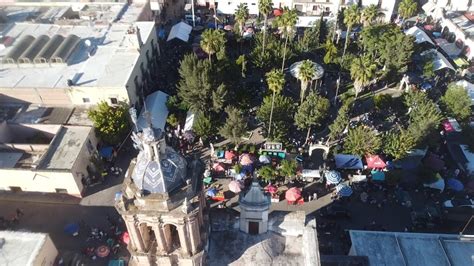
{"x": 112, "y": 44}
{"x": 65, "y": 147}
{"x": 20, "y": 248}
{"x": 384, "y": 248}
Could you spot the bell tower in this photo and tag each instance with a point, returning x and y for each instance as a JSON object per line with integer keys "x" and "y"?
{"x": 163, "y": 205}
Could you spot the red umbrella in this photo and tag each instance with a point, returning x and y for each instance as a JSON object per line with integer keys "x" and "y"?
{"x": 272, "y": 189}
{"x": 230, "y": 155}
{"x": 102, "y": 251}
{"x": 218, "y": 167}
{"x": 125, "y": 238}
{"x": 234, "y": 186}
{"x": 277, "y": 12}
{"x": 293, "y": 194}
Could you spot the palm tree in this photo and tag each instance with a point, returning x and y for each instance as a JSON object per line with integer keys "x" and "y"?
{"x": 264, "y": 7}
{"x": 407, "y": 8}
{"x": 212, "y": 41}
{"x": 362, "y": 72}
{"x": 241, "y": 15}
{"x": 369, "y": 14}
{"x": 275, "y": 81}
{"x": 305, "y": 75}
{"x": 331, "y": 52}
{"x": 287, "y": 22}
{"x": 351, "y": 17}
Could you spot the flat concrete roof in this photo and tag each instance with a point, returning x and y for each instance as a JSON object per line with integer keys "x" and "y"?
{"x": 392, "y": 248}
{"x": 65, "y": 147}
{"x": 115, "y": 51}
{"x": 20, "y": 248}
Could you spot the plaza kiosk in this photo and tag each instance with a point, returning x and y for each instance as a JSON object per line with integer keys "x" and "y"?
{"x": 273, "y": 149}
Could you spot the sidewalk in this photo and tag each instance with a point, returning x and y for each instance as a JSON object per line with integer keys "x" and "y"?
{"x": 37, "y": 197}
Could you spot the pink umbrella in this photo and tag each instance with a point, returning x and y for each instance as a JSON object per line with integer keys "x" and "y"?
{"x": 230, "y": 155}
{"x": 272, "y": 189}
{"x": 218, "y": 167}
{"x": 293, "y": 194}
{"x": 245, "y": 159}
{"x": 125, "y": 238}
{"x": 234, "y": 186}
{"x": 102, "y": 251}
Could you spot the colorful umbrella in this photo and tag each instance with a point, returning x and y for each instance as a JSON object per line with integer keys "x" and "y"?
{"x": 343, "y": 190}
{"x": 207, "y": 180}
{"x": 454, "y": 184}
{"x": 264, "y": 159}
{"x": 230, "y": 155}
{"x": 228, "y": 27}
{"x": 272, "y": 189}
{"x": 212, "y": 192}
{"x": 234, "y": 186}
{"x": 245, "y": 159}
{"x": 333, "y": 177}
{"x": 102, "y": 251}
{"x": 293, "y": 194}
{"x": 125, "y": 237}
{"x": 218, "y": 167}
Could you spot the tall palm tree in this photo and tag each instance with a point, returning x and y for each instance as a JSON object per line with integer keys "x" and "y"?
{"x": 407, "y": 8}
{"x": 331, "y": 52}
{"x": 275, "y": 81}
{"x": 305, "y": 75}
{"x": 264, "y": 7}
{"x": 287, "y": 22}
{"x": 362, "y": 72}
{"x": 369, "y": 14}
{"x": 212, "y": 41}
{"x": 351, "y": 17}
{"x": 241, "y": 15}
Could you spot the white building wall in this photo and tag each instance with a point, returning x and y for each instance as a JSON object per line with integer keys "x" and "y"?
{"x": 47, "y": 254}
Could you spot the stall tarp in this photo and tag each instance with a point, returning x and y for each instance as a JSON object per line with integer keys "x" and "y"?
{"x": 375, "y": 162}
{"x": 106, "y": 152}
{"x": 348, "y": 161}
{"x": 455, "y": 184}
{"x": 308, "y": 173}
{"x": 180, "y": 31}
{"x": 438, "y": 184}
{"x": 156, "y": 107}
{"x": 188, "y": 125}
{"x": 378, "y": 175}
{"x": 358, "y": 178}
{"x": 440, "y": 62}
{"x": 419, "y": 34}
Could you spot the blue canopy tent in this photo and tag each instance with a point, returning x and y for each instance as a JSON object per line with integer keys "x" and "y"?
{"x": 454, "y": 184}
{"x": 72, "y": 229}
{"x": 343, "y": 190}
{"x": 106, "y": 152}
{"x": 348, "y": 161}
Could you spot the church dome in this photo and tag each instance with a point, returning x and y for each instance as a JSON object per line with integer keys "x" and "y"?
{"x": 161, "y": 174}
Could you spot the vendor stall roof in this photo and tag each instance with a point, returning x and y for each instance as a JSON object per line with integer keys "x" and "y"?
{"x": 440, "y": 62}
{"x": 180, "y": 31}
{"x": 348, "y": 161}
{"x": 419, "y": 34}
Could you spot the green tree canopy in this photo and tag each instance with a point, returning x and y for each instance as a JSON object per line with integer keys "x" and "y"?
{"x": 351, "y": 18}
{"x": 272, "y": 54}
{"x": 362, "y": 141}
{"x": 369, "y": 14}
{"x": 172, "y": 120}
{"x": 195, "y": 86}
{"x": 283, "y": 111}
{"x": 275, "y": 80}
{"x": 407, "y": 8}
{"x": 241, "y": 15}
{"x": 212, "y": 41}
{"x": 203, "y": 127}
{"x": 387, "y": 46}
{"x": 456, "y": 102}
{"x": 110, "y": 122}
{"x": 264, "y": 8}
{"x": 424, "y": 115}
{"x": 235, "y": 126}
{"x": 331, "y": 52}
{"x": 310, "y": 40}
{"x": 362, "y": 72}
{"x": 428, "y": 68}
{"x": 288, "y": 168}
{"x": 218, "y": 98}
{"x": 267, "y": 172}
{"x": 337, "y": 128}
{"x": 311, "y": 112}
{"x": 305, "y": 75}
{"x": 398, "y": 143}
{"x": 287, "y": 22}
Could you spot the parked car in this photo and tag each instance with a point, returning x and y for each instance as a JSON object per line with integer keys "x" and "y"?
{"x": 335, "y": 211}
{"x": 459, "y": 203}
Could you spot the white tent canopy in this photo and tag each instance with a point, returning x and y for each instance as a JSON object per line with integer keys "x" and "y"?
{"x": 469, "y": 87}
{"x": 180, "y": 31}
{"x": 440, "y": 61}
{"x": 156, "y": 106}
{"x": 188, "y": 125}
{"x": 419, "y": 34}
